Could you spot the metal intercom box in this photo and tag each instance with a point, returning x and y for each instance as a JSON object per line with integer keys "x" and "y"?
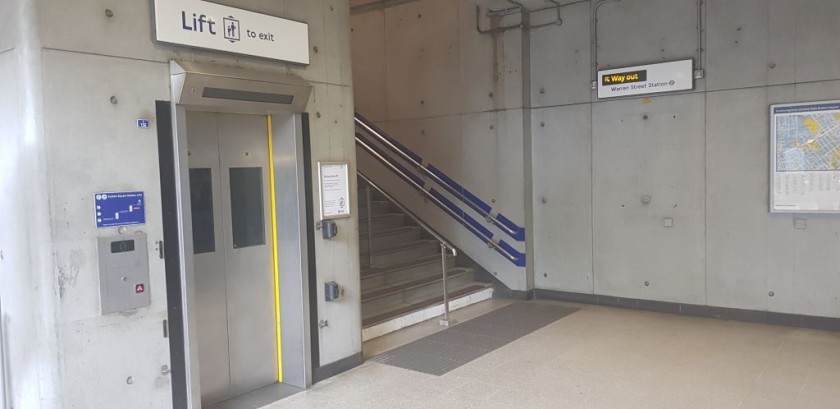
{"x": 123, "y": 273}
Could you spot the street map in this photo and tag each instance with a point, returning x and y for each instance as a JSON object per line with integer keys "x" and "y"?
{"x": 806, "y": 157}
{"x": 807, "y": 142}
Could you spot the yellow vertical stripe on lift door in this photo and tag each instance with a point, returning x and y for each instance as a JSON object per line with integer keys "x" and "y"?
{"x": 273, "y": 194}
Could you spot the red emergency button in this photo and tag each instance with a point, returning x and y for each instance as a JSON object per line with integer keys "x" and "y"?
{"x": 140, "y": 289}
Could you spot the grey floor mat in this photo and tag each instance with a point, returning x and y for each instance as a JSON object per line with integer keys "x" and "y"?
{"x": 453, "y": 347}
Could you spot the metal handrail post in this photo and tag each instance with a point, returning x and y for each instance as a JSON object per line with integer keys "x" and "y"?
{"x": 369, "y": 228}
{"x": 446, "y": 321}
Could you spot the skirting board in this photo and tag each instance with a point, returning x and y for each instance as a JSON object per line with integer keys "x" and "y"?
{"x": 732, "y": 314}
{"x": 417, "y": 317}
{"x": 337, "y": 367}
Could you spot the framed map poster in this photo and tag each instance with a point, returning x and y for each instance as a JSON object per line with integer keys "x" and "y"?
{"x": 805, "y": 158}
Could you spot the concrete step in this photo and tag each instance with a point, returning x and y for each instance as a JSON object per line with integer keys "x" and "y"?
{"x": 404, "y": 309}
{"x": 372, "y": 278}
{"x": 400, "y": 254}
{"x": 390, "y": 238}
{"x": 377, "y": 208}
{"x": 383, "y": 222}
{"x": 377, "y": 300}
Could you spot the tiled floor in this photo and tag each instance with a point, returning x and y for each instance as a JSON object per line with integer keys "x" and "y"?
{"x": 610, "y": 358}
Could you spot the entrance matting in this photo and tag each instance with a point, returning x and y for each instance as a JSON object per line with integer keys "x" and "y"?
{"x": 453, "y": 347}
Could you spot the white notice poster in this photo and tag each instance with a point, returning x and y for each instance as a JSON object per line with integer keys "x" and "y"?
{"x": 805, "y": 158}
{"x": 335, "y": 190}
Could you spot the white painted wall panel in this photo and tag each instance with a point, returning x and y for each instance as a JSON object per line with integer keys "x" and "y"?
{"x": 337, "y": 259}
{"x": 817, "y": 48}
{"x": 646, "y": 31}
{"x": 337, "y": 48}
{"x": 710, "y": 160}
{"x": 737, "y": 44}
{"x": 510, "y": 165}
{"x": 661, "y": 156}
{"x": 422, "y": 51}
{"x": 739, "y": 224}
{"x": 511, "y": 70}
{"x": 563, "y": 198}
{"x": 561, "y": 60}
{"x": 812, "y": 286}
{"x": 8, "y": 25}
{"x": 448, "y": 88}
{"x": 82, "y": 26}
{"x": 106, "y": 155}
{"x": 480, "y": 156}
{"x": 781, "y": 42}
{"x": 808, "y": 281}
{"x": 369, "y": 65}
{"x": 98, "y": 356}
{"x": 71, "y": 142}
{"x": 482, "y": 91}
{"x": 437, "y": 140}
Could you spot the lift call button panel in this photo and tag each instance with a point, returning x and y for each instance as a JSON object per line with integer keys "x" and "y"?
{"x": 123, "y": 273}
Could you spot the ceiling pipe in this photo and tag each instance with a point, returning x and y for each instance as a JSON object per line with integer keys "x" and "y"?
{"x": 520, "y": 8}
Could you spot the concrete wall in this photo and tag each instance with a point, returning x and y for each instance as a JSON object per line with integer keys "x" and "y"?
{"x": 62, "y": 140}
{"x": 701, "y": 156}
{"x": 455, "y": 97}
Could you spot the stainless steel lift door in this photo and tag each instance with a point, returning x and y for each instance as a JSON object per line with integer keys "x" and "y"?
{"x": 230, "y": 199}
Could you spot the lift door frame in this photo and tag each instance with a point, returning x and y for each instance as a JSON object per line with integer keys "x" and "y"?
{"x": 283, "y": 99}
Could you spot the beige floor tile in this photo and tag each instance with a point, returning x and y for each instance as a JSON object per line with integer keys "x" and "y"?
{"x": 603, "y": 358}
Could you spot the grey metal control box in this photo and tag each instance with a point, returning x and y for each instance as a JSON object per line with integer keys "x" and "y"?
{"x": 329, "y": 229}
{"x": 332, "y": 291}
{"x": 123, "y": 273}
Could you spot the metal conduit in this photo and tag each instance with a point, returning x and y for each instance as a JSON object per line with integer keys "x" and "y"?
{"x": 487, "y": 216}
{"x": 519, "y": 8}
{"x": 490, "y": 243}
{"x": 594, "y": 35}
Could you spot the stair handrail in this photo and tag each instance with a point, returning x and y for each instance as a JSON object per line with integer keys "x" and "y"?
{"x": 445, "y": 245}
{"x": 488, "y": 216}
{"x": 410, "y": 214}
{"x": 429, "y": 196}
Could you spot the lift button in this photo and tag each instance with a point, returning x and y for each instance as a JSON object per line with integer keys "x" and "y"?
{"x": 140, "y": 289}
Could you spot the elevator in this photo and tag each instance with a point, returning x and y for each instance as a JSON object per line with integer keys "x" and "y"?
{"x": 233, "y": 253}
{"x": 241, "y": 295}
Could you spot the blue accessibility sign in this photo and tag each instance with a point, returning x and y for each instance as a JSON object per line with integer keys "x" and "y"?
{"x": 120, "y": 209}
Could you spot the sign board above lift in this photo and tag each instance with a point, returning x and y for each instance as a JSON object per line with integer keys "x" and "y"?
{"x": 201, "y": 24}
{"x": 646, "y": 79}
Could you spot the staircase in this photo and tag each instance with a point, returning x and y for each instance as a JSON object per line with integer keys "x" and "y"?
{"x": 402, "y": 268}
